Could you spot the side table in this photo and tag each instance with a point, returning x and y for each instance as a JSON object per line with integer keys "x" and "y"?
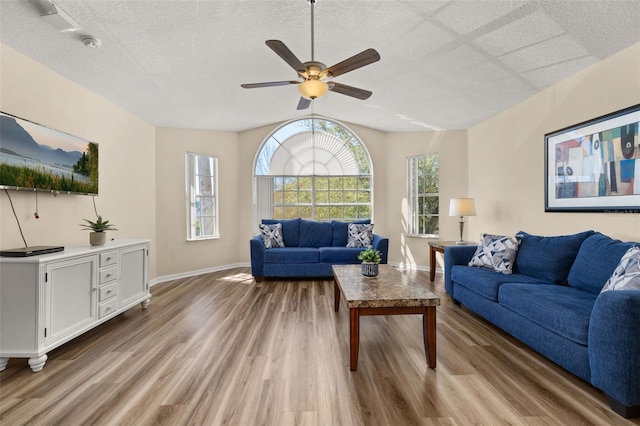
{"x": 438, "y": 246}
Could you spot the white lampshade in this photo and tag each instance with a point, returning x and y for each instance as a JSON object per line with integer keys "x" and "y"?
{"x": 313, "y": 89}
{"x": 462, "y": 207}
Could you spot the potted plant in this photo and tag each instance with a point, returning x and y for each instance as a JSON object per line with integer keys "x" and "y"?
{"x": 98, "y": 237}
{"x": 370, "y": 259}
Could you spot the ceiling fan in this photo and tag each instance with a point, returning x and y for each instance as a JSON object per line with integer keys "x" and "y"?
{"x": 315, "y": 77}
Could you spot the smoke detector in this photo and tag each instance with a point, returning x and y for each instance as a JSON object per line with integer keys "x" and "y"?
{"x": 91, "y": 42}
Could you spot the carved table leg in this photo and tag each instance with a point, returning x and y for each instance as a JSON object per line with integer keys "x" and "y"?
{"x": 37, "y": 363}
{"x": 354, "y": 333}
{"x": 3, "y": 363}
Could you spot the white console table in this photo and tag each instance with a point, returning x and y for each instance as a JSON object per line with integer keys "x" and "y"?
{"x": 47, "y": 300}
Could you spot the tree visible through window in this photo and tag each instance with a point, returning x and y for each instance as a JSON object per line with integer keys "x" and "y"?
{"x": 202, "y": 206}
{"x": 315, "y": 169}
{"x": 424, "y": 199}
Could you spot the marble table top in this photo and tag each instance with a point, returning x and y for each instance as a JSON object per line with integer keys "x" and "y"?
{"x": 391, "y": 288}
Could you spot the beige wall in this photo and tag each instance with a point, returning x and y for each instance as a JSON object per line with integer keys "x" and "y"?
{"x": 452, "y": 149}
{"x": 176, "y": 254}
{"x": 127, "y": 159}
{"x": 506, "y": 152}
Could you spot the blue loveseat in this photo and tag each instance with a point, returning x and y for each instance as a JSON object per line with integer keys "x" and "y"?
{"x": 310, "y": 249}
{"x": 553, "y": 302}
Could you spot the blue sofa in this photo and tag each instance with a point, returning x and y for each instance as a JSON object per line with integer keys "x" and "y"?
{"x": 552, "y": 302}
{"x": 310, "y": 249}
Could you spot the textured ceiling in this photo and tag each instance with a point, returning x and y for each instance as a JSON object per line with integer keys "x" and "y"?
{"x": 445, "y": 64}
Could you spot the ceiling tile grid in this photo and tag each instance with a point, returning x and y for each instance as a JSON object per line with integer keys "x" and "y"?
{"x": 444, "y": 64}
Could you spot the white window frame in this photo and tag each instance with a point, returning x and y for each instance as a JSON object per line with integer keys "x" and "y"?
{"x": 413, "y": 195}
{"x": 193, "y": 175}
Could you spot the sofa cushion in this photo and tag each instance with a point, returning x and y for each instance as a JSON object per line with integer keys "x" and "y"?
{"x": 597, "y": 259}
{"x": 290, "y": 230}
{"x": 497, "y": 252}
{"x": 315, "y": 234}
{"x": 627, "y": 274}
{"x": 561, "y": 309}
{"x": 292, "y": 255}
{"x": 341, "y": 231}
{"x": 272, "y": 235}
{"x": 486, "y": 282}
{"x": 338, "y": 255}
{"x": 548, "y": 258}
{"x": 360, "y": 235}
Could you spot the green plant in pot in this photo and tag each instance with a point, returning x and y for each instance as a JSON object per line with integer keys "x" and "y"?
{"x": 98, "y": 237}
{"x": 370, "y": 259}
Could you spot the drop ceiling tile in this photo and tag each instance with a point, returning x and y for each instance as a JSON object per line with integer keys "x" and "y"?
{"x": 544, "y": 77}
{"x": 531, "y": 29}
{"x": 549, "y": 52}
{"x": 456, "y": 60}
{"x": 466, "y": 16}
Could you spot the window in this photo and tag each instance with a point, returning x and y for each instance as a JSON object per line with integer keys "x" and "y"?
{"x": 316, "y": 169}
{"x": 202, "y": 192}
{"x": 423, "y": 196}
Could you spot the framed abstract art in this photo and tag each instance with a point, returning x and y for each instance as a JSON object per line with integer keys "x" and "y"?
{"x": 594, "y": 166}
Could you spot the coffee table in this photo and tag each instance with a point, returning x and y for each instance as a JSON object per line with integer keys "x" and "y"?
{"x": 390, "y": 293}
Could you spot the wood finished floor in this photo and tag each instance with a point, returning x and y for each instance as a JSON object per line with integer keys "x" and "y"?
{"x": 220, "y": 349}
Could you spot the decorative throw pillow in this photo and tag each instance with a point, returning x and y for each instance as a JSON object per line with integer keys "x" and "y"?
{"x": 360, "y": 235}
{"x": 626, "y": 276}
{"x": 272, "y": 235}
{"x": 497, "y": 252}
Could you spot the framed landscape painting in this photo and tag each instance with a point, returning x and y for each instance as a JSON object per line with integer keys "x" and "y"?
{"x": 594, "y": 166}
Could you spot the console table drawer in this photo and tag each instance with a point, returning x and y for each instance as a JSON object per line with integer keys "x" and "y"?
{"x": 108, "y": 291}
{"x": 109, "y": 274}
{"x": 108, "y": 307}
{"x": 108, "y": 258}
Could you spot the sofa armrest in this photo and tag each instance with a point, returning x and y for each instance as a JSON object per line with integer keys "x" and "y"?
{"x": 382, "y": 244}
{"x": 257, "y": 256}
{"x": 455, "y": 255}
{"x": 614, "y": 345}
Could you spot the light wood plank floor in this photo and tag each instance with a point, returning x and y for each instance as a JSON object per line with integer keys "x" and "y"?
{"x": 220, "y": 349}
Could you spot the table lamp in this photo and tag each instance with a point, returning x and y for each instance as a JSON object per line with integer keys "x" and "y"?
{"x": 462, "y": 207}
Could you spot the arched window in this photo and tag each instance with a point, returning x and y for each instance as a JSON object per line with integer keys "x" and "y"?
{"x": 313, "y": 168}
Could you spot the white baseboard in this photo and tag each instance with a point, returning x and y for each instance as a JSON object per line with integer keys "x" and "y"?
{"x": 188, "y": 274}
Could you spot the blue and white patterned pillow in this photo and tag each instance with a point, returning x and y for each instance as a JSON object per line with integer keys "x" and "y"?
{"x": 360, "y": 235}
{"x": 272, "y": 235}
{"x": 626, "y": 276}
{"x": 497, "y": 252}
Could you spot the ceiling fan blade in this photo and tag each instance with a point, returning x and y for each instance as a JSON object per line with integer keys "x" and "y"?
{"x": 268, "y": 84}
{"x": 283, "y": 51}
{"x": 354, "y": 92}
{"x": 304, "y": 103}
{"x": 363, "y": 58}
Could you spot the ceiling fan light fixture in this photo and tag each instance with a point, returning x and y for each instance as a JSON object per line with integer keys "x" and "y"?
{"x": 313, "y": 89}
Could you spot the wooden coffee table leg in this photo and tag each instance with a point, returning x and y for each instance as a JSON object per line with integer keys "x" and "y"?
{"x": 429, "y": 332}
{"x": 336, "y": 296}
{"x": 354, "y": 334}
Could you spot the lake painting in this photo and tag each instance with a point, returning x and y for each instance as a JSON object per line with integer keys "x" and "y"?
{"x": 34, "y": 157}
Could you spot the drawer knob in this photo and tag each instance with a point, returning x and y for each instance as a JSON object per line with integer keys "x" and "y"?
{"x": 108, "y": 258}
{"x": 108, "y": 291}
{"x": 108, "y": 275}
